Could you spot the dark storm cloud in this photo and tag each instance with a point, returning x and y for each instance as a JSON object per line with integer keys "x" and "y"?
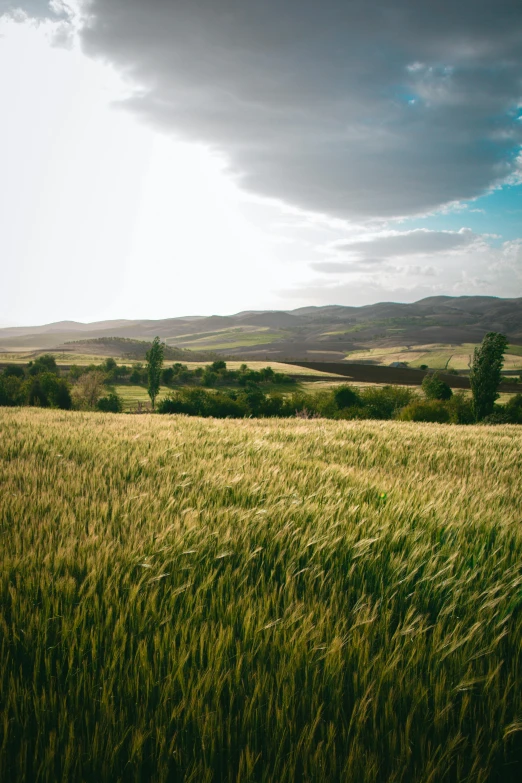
{"x": 348, "y": 107}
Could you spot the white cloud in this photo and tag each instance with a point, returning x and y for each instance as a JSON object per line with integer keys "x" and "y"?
{"x": 418, "y": 241}
{"x": 482, "y": 267}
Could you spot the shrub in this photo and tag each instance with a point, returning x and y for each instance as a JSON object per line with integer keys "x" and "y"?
{"x": 45, "y": 363}
{"x": 425, "y": 410}
{"x": 198, "y": 402}
{"x": 345, "y": 397}
{"x": 167, "y": 376}
{"x": 323, "y": 403}
{"x": 513, "y": 409}
{"x": 60, "y": 395}
{"x": 109, "y": 365}
{"x": 498, "y": 416}
{"x": 88, "y": 390}
{"x": 112, "y": 403}
{"x": 209, "y": 378}
{"x": 383, "y": 403}
{"x": 46, "y": 390}
{"x": 138, "y": 376}
{"x": 75, "y": 371}
{"x": 435, "y": 388}
{"x": 13, "y": 371}
{"x": 11, "y": 390}
{"x": 460, "y": 408}
{"x": 356, "y": 412}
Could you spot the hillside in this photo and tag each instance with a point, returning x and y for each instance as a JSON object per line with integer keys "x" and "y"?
{"x": 128, "y": 348}
{"x": 309, "y": 333}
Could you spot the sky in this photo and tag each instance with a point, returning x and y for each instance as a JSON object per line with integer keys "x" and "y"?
{"x": 172, "y": 157}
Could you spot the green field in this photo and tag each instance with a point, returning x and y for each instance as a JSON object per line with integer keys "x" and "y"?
{"x": 437, "y": 357}
{"x": 62, "y": 358}
{"x": 227, "y": 338}
{"x": 258, "y": 600}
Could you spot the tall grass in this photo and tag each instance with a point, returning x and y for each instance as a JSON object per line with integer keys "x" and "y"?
{"x": 258, "y": 600}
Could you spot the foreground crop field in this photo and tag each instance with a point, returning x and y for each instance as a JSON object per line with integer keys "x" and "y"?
{"x": 280, "y": 600}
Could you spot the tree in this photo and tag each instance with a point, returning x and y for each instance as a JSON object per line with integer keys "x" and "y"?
{"x": 88, "y": 390}
{"x": 435, "y": 388}
{"x": 109, "y": 364}
{"x": 112, "y": 403}
{"x": 55, "y": 390}
{"x": 345, "y": 397}
{"x": 167, "y": 376}
{"x": 154, "y": 358}
{"x": 45, "y": 363}
{"x": 14, "y": 371}
{"x": 11, "y": 390}
{"x": 485, "y": 373}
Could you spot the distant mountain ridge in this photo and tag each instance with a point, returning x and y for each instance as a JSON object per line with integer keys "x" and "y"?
{"x": 326, "y": 332}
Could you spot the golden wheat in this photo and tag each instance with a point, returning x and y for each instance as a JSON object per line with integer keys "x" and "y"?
{"x": 258, "y": 600}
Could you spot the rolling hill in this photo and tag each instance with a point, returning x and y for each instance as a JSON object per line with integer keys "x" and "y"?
{"x": 330, "y": 333}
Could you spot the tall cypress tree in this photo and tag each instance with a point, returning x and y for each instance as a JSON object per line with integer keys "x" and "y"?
{"x": 485, "y": 374}
{"x": 154, "y": 358}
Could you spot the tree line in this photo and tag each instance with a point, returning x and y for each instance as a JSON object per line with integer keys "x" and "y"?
{"x": 215, "y": 390}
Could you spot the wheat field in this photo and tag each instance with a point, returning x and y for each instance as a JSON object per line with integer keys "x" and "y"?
{"x": 258, "y": 600}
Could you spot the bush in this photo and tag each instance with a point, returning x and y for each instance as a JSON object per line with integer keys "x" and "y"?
{"x": 75, "y": 371}
{"x": 209, "y": 378}
{"x": 425, "y": 410}
{"x": 167, "y": 376}
{"x": 60, "y": 395}
{"x": 198, "y": 402}
{"x": 435, "y": 388}
{"x": 345, "y": 397}
{"x": 13, "y": 371}
{"x": 513, "y": 409}
{"x": 322, "y": 403}
{"x": 88, "y": 390}
{"x": 138, "y": 375}
{"x": 460, "y": 408}
{"x": 383, "y": 403}
{"x": 11, "y": 390}
{"x": 44, "y": 363}
{"x": 112, "y": 403}
{"x": 109, "y": 365}
{"x": 497, "y": 417}
{"x": 46, "y": 390}
{"x": 356, "y": 412}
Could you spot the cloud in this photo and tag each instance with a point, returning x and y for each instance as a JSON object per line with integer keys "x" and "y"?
{"x": 37, "y": 9}
{"x": 414, "y": 270}
{"x": 341, "y": 267}
{"x": 480, "y": 268}
{"x": 352, "y": 109}
{"x": 376, "y": 252}
{"x": 418, "y": 241}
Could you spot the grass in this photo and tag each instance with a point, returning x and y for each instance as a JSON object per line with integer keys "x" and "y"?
{"x": 437, "y": 356}
{"x": 132, "y": 395}
{"x": 216, "y": 600}
{"x": 62, "y": 358}
{"x": 222, "y": 339}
